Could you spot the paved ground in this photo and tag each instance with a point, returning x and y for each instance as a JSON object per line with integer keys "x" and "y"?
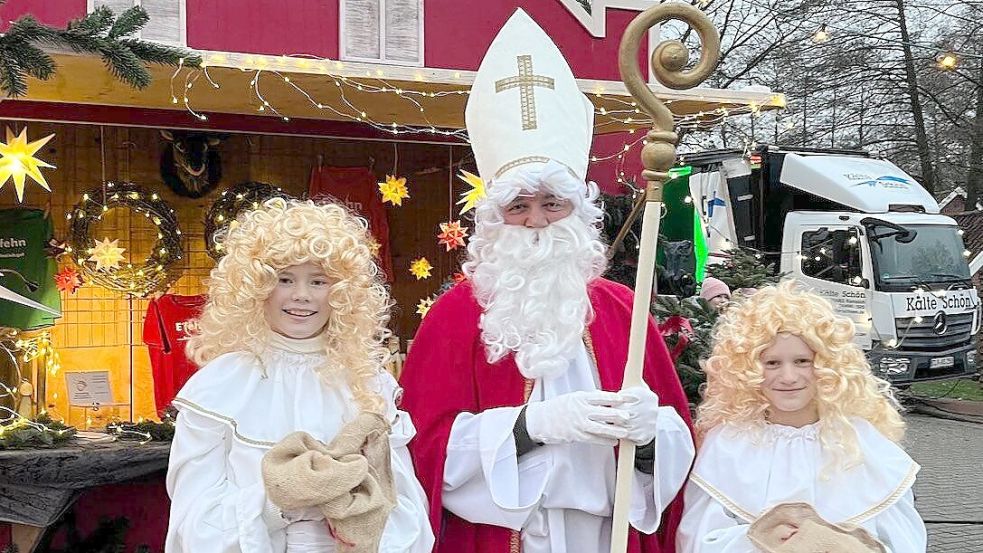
{"x": 949, "y": 489}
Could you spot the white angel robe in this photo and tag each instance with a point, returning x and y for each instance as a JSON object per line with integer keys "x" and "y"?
{"x": 232, "y": 412}
{"x": 740, "y": 473}
{"x": 550, "y": 494}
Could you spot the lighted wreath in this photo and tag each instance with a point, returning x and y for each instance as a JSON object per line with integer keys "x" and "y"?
{"x": 102, "y": 261}
{"x": 234, "y": 201}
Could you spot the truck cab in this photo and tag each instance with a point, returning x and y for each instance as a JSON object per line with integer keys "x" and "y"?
{"x": 858, "y": 231}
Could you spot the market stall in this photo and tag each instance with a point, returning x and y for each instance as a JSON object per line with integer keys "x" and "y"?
{"x": 107, "y": 229}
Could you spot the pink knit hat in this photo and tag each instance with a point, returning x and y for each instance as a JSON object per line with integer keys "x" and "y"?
{"x": 712, "y": 288}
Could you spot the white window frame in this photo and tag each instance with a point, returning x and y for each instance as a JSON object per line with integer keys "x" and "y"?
{"x": 344, "y": 56}
{"x": 182, "y": 21}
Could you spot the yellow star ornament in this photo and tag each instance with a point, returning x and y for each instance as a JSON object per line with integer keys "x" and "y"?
{"x": 107, "y": 254}
{"x": 394, "y": 190}
{"x": 473, "y": 196}
{"x": 17, "y": 161}
{"x": 424, "y": 306}
{"x": 420, "y": 268}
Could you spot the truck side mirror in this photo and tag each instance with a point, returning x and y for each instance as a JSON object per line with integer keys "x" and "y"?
{"x": 860, "y": 282}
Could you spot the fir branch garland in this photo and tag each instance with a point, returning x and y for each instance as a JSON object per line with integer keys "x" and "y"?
{"x": 128, "y": 23}
{"x": 101, "y": 33}
{"x": 43, "y": 431}
{"x": 143, "y": 431}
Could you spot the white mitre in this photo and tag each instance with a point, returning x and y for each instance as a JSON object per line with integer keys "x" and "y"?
{"x": 525, "y": 107}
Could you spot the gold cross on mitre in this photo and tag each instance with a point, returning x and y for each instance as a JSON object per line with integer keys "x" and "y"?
{"x": 526, "y": 82}
{"x": 556, "y": 118}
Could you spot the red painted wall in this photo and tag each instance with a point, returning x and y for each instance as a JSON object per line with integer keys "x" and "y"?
{"x": 52, "y": 12}
{"x": 457, "y": 33}
{"x": 605, "y": 171}
{"x": 457, "y": 38}
{"x": 264, "y": 27}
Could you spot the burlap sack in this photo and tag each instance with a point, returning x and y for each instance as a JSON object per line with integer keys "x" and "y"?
{"x": 812, "y": 534}
{"x": 350, "y": 480}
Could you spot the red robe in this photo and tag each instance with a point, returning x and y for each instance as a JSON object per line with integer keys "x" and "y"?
{"x": 447, "y": 373}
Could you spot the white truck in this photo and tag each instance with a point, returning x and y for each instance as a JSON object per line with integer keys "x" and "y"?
{"x": 857, "y": 230}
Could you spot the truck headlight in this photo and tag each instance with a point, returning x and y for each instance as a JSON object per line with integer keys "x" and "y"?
{"x": 971, "y": 358}
{"x": 893, "y": 365}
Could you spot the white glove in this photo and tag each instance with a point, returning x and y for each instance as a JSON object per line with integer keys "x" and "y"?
{"x": 642, "y": 408}
{"x": 309, "y": 536}
{"x": 586, "y": 417}
{"x": 307, "y": 513}
{"x": 275, "y": 518}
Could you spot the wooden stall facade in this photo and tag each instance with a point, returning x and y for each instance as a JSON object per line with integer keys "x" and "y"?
{"x": 102, "y": 329}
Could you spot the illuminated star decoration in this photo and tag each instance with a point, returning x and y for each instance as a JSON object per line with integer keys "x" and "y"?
{"x": 17, "y": 161}
{"x": 68, "y": 280}
{"x": 424, "y": 306}
{"x": 420, "y": 268}
{"x": 452, "y": 235}
{"x": 473, "y": 196}
{"x": 394, "y": 190}
{"x": 107, "y": 254}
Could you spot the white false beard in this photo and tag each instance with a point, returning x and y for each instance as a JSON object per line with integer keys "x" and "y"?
{"x": 532, "y": 285}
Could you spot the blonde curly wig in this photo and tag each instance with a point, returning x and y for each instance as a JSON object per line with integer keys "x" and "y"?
{"x": 281, "y": 234}
{"x": 845, "y": 385}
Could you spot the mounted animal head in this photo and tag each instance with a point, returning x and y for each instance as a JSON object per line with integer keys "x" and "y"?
{"x": 190, "y": 164}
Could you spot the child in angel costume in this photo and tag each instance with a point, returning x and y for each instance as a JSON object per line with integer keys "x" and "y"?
{"x": 288, "y": 438}
{"x": 798, "y": 440}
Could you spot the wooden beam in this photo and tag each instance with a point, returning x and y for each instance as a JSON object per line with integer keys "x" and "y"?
{"x": 441, "y": 93}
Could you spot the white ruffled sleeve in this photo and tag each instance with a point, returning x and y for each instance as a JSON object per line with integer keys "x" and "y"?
{"x": 484, "y": 480}
{"x": 208, "y": 512}
{"x": 408, "y": 528}
{"x": 707, "y": 527}
{"x": 900, "y": 527}
{"x": 674, "y": 453}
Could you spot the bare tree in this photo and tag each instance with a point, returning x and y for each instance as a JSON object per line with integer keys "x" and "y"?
{"x": 859, "y": 74}
{"x": 974, "y": 175}
{"x": 911, "y": 84}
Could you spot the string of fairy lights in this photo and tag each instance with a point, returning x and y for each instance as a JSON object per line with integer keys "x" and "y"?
{"x": 627, "y": 116}
{"x": 27, "y": 349}
{"x": 17, "y": 430}
{"x": 947, "y": 58}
